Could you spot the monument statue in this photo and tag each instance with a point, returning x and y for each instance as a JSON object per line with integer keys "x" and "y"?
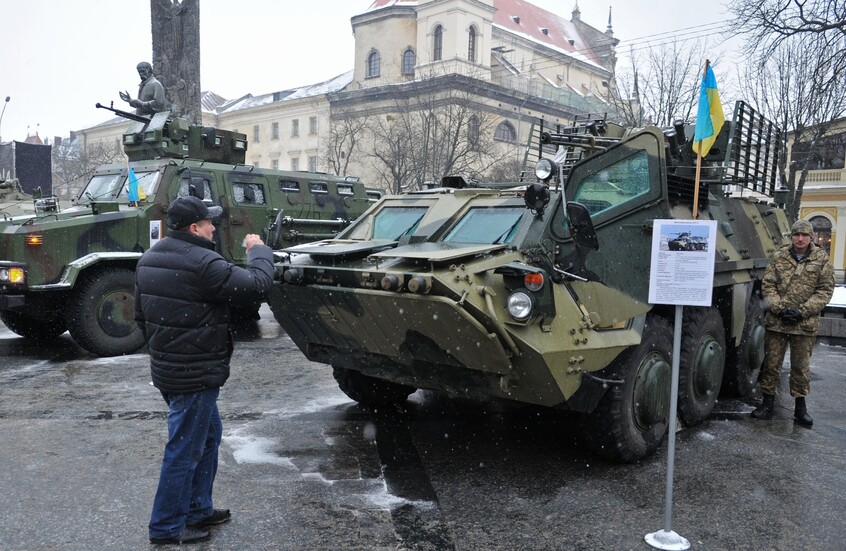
{"x": 151, "y": 95}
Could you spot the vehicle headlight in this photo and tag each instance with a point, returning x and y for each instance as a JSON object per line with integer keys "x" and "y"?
{"x": 12, "y": 275}
{"x": 544, "y": 169}
{"x": 520, "y": 306}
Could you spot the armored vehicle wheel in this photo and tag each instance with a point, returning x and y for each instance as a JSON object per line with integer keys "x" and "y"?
{"x": 631, "y": 419}
{"x": 370, "y": 391}
{"x": 101, "y": 313}
{"x": 744, "y": 365}
{"x": 701, "y": 363}
{"x": 32, "y": 328}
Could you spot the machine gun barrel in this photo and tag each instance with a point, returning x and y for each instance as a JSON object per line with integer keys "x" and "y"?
{"x": 579, "y": 140}
{"x": 124, "y": 114}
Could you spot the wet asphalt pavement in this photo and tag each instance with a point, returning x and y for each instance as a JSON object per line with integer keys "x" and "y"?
{"x": 304, "y": 468}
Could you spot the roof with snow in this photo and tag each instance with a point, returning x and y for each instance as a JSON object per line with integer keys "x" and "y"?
{"x": 529, "y": 21}
{"x": 250, "y": 101}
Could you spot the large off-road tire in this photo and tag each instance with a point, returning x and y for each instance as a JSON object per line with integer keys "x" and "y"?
{"x": 31, "y": 328}
{"x": 370, "y": 391}
{"x": 630, "y": 421}
{"x": 701, "y": 363}
{"x": 101, "y": 313}
{"x": 744, "y": 365}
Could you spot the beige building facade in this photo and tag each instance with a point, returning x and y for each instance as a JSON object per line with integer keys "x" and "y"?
{"x": 514, "y": 61}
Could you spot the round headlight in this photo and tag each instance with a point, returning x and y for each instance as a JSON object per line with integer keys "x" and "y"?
{"x": 4, "y": 274}
{"x": 519, "y": 306}
{"x": 544, "y": 169}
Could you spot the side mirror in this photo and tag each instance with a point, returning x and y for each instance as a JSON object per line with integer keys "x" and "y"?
{"x": 274, "y": 231}
{"x": 581, "y": 226}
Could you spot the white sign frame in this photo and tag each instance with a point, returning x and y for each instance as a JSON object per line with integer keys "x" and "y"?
{"x": 682, "y": 264}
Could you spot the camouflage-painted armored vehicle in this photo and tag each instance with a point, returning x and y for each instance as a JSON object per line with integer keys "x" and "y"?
{"x": 13, "y": 200}
{"x": 539, "y": 293}
{"x": 74, "y": 269}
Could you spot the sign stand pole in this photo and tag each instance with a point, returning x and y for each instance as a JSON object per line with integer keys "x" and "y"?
{"x": 666, "y": 538}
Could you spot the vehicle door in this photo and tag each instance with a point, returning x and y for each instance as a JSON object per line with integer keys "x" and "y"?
{"x": 247, "y": 209}
{"x": 624, "y": 189}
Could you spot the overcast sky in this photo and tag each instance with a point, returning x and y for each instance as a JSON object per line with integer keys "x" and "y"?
{"x": 61, "y": 57}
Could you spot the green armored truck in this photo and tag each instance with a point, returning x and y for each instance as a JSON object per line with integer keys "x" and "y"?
{"x": 73, "y": 269}
{"x": 538, "y": 293}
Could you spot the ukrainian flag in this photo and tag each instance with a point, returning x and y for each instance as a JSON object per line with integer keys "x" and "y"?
{"x": 710, "y": 118}
{"x": 135, "y": 192}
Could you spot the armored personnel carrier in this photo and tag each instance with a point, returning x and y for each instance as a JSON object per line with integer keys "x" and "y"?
{"x": 74, "y": 269}
{"x": 13, "y": 200}
{"x": 538, "y": 293}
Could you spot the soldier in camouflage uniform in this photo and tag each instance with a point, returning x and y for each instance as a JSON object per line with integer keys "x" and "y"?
{"x": 797, "y": 285}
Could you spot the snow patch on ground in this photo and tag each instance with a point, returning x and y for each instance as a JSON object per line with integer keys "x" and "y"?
{"x": 255, "y": 450}
{"x": 312, "y": 406}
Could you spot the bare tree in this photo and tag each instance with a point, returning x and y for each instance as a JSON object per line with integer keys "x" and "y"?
{"x": 802, "y": 88}
{"x": 661, "y": 84}
{"x": 343, "y": 141}
{"x": 767, "y": 24}
{"x": 436, "y": 127}
{"x": 73, "y": 165}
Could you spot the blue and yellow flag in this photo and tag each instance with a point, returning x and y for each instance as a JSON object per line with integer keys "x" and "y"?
{"x": 135, "y": 192}
{"x": 709, "y": 118}
{"x": 132, "y": 179}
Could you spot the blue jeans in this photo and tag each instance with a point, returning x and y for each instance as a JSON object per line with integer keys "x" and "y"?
{"x": 184, "y": 495}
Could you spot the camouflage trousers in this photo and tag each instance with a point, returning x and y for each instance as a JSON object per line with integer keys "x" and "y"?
{"x": 775, "y": 346}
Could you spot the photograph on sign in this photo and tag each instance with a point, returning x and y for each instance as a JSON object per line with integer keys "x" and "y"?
{"x": 682, "y": 264}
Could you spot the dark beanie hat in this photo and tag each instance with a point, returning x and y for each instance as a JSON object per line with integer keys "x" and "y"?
{"x": 184, "y": 211}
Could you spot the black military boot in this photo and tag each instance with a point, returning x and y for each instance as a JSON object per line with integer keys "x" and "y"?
{"x": 765, "y": 410}
{"x": 800, "y": 414}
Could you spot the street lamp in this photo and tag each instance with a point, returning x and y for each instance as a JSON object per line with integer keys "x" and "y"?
{"x": 1, "y": 116}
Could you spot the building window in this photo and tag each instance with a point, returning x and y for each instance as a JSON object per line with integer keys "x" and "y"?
{"x": 438, "y": 46}
{"x": 256, "y": 133}
{"x": 295, "y": 128}
{"x": 822, "y": 228}
{"x": 505, "y": 132}
{"x": 373, "y": 64}
{"x": 473, "y": 132}
{"x": 295, "y": 163}
{"x": 274, "y": 131}
{"x": 312, "y": 125}
{"x": 274, "y": 164}
{"x": 471, "y": 45}
{"x": 408, "y": 62}
{"x": 312, "y": 163}
{"x": 826, "y": 154}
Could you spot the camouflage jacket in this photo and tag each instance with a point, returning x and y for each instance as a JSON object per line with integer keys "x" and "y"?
{"x": 806, "y": 285}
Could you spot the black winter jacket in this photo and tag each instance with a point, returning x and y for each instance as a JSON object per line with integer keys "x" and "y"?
{"x": 183, "y": 292}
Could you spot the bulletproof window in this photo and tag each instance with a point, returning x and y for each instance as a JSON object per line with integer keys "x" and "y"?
{"x": 248, "y": 193}
{"x": 409, "y": 59}
{"x": 345, "y": 189}
{"x": 319, "y": 187}
{"x": 289, "y": 186}
{"x": 505, "y": 132}
{"x": 615, "y": 184}
{"x": 487, "y": 225}
{"x": 394, "y": 222}
{"x": 438, "y": 43}
{"x": 373, "y": 64}
{"x": 185, "y": 182}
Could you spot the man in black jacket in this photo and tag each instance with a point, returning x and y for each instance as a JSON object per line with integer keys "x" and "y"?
{"x": 183, "y": 294}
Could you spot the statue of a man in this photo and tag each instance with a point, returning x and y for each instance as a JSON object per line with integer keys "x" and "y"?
{"x": 151, "y": 96}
